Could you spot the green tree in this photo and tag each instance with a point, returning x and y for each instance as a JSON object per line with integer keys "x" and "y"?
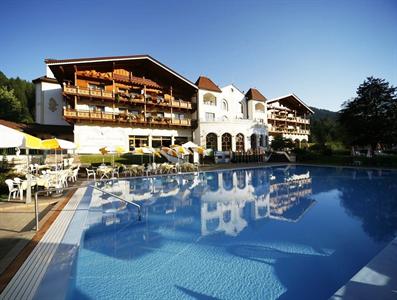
{"x": 281, "y": 143}
{"x": 370, "y": 118}
{"x": 10, "y": 107}
{"x": 24, "y": 92}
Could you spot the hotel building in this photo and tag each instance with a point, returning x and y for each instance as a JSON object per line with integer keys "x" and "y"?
{"x": 288, "y": 116}
{"x": 133, "y": 101}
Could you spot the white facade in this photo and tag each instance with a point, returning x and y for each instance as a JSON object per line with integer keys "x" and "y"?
{"x": 49, "y": 104}
{"x": 89, "y": 138}
{"x": 296, "y": 125}
{"x": 229, "y": 113}
{"x": 257, "y": 111}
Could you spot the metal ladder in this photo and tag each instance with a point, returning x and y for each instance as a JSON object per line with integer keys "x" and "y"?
{"x": 122, "y": 199}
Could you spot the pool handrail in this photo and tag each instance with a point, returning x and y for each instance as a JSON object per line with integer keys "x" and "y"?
{"x": 61, "y": 189}
{"x": 122, "y": 199}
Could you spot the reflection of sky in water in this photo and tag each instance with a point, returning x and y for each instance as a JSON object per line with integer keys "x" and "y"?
{"x": 255, "y": 234}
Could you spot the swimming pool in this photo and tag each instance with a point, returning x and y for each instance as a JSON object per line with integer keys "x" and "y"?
{"x": 285, "y": 232}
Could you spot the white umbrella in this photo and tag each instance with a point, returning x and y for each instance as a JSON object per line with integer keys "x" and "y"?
{"x": 11, "y": 138}
{"x": 190, "y": 145}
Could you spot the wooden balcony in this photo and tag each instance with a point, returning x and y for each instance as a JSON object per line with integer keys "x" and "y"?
{"x": 126, "y": 97}
{"x": 99, "y": 116}
{"x": 273, "y": 117}
{"x": 79, "y": 91}
{"x": 181, "y": 104}
{"x": 278, "y": 130}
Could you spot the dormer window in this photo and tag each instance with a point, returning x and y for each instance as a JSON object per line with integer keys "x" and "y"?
{"x": 209, "y": 99}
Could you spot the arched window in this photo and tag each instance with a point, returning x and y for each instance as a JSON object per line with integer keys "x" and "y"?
{"x": 297, "y": 143}
{"x": 253, "y": 141}
{"x": 240, "y": 142}
{"x": 241, "y": 178}
{"x": 227, "y": 216}
{"x": 259, "y": 107}
{"x": 262, "y": 140}
{"x": 226, "y": 142}
{"x": 225, "y": 106}
{"x": 211, "y": 141}
{"x": 209, "y": 99}
{"x": 227, "y": 179}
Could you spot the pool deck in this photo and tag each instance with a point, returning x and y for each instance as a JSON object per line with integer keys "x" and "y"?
{"x": 377, "y": 280}
{"x": 18, "y": 237}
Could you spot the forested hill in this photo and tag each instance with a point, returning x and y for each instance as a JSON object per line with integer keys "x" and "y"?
{"x": 323, "y": 114}
{"x": 16, "y": 99}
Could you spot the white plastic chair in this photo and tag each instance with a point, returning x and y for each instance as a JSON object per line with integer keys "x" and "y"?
{"x": 74, "y": 174}
{"x": 13, "y": 190}
{"x": 90, "y": 173}
{"x": 18, "y": 182}
{"x": 116, "y": 172}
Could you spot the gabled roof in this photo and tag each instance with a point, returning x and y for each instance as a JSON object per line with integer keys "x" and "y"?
{"x": 45, "y": 79}
{"x": 75, "y": 61}
{"x": 254, "y": 94}
{"x": 234, "y": 86}
{"x": 205, "y": 83}
{"x": 293, "y": 97}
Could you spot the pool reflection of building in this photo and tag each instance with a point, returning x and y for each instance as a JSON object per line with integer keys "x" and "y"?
{"x": 252, "y": 195}
{"x": 227, "y": 201}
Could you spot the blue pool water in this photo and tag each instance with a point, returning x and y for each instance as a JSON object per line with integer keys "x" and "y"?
{"x": 266, "y": 233}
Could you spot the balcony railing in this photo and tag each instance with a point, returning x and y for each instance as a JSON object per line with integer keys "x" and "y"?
{"x": 73, "y": 114}
{"x": 126, "y": 97}
{"x": 76, "y": 90}
{"x": 288, "y": 119}
{"x": 288, "y": 131}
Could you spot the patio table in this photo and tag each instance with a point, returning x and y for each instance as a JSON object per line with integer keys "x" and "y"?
{"x": 104, "y": 171}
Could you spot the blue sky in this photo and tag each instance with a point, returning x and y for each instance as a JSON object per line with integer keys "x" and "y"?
{"x": 319, "y": 50}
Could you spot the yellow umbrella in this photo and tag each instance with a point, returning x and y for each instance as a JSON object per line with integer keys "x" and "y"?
{"x": 200, "y": 150}
{"x": 181, "y": 150}
{"x": 32, "y": 142}
{"x": 138, "y": 151}
{"x": 119, "y": 149}
{"x": 103, "y": 151}
{"x": 58, "y": 144}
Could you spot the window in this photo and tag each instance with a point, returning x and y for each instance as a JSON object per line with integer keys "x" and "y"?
{"x": 225, "y": 105}
{"x": 211, "y": 141}
{"x": 179, "y": 140}
{"x": 94, "y": 86}
{"x": 253, "y": 141}
{"x": 261, "y": 140}
{"x": 209, "y": 99}
{"x": 242, "y": 107}
{"x": 137, "y": 141}
{"x": 179, "y": 116}
{"x": 209, "y": 116}
{"x": 161, "y": 141}
{"x": 226, "y": 142}
{"x": 227, "y": 180}
{"x": 240, "y": 142}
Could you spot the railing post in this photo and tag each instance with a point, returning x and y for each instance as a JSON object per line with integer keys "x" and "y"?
{"x": 36, "y": 211}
